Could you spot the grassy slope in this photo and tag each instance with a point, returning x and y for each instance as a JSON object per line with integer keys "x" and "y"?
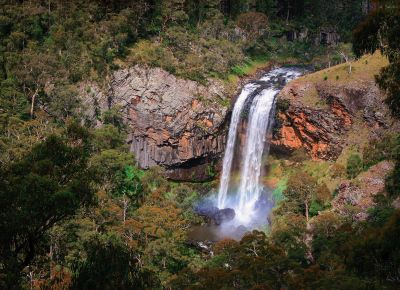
{"x": 364, "y": 69}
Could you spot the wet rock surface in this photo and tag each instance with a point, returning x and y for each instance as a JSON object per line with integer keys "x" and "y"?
{"x": 217, "y": 216}
{"x": 223, "y": 215}
{"x": 205, "y": 208}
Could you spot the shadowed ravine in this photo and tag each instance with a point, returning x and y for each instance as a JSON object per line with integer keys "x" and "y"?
{"x": 244, "y": 204}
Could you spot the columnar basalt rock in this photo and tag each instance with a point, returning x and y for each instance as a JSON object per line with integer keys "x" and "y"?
{"x": 174, "y": 123}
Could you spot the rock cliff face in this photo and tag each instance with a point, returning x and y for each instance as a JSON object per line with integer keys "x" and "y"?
{"x": 319, "y": 115}
{"x": 174, "y": 123}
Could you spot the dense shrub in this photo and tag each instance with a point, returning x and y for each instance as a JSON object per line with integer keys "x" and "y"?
{"x": 393, "y": 181}
{"x": 354, "y": 166}
{"x": 302, "y": 192}
{"x": 282, "y": 105}
{"x": 299, "y": 155}
{"x": 386, "y": 148}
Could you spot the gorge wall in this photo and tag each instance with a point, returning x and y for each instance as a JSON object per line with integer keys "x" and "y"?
{"x": 181, "y": 125}
{"x": 173, "y": 123}
{"x": 320, "y": 111}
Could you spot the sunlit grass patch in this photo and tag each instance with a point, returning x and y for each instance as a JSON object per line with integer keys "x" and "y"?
{"x": 363, "y": 69}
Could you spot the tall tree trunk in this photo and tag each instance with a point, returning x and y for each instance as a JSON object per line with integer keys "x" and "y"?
{"x": 307, "y": 217}
{"x": 308, "y": 237}
{"x": 33, "y": 101}
{"x": 125, "y": 203}
{"x": 287, "y": 15}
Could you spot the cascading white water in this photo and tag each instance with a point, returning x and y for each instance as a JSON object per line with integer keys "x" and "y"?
{"x": 230, "y": 147}
{"x": 250, "y": 188}
{"x": 259, "y": 120}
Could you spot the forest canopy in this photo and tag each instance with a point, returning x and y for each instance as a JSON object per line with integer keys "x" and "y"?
{"x": 77, "y": 212}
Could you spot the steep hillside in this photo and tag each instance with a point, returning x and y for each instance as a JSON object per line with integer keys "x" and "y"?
{"x": 328, "y": 111}
{"x": 328, "y": 119}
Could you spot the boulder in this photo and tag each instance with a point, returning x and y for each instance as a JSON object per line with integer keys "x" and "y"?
{"x": 223, "y": 215}
{"x": 216, "y": 215}
{"x": 205, "y": 208}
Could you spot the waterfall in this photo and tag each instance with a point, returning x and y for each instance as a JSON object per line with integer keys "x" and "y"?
{"x": 259, "y": 122}
{"x": 250, "y": 188}
{"x": 230, "y": 146}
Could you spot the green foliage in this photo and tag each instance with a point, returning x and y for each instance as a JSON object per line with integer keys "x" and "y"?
{"x": 299, "y": 155}
{"x": 153, "y": 54}
{"x": 172, "y": 13}
{"x": 130, "y": 184}
{"x": 302, "y": 190}
{"x": 108, "y": 165}
{"x": 329, "y": 234}
{"x": 288, "y": 232}
{"x": 113, "y": 117}
{"x": 376, "y": 253}
{"x": 354, "y": 165}
{"x": 108, "y": 137}
{"x": 381, "y": 31}
{"x": 382, "y": 211}
{"x": 315, "y": 208}
{"x": 282, "y": 105}
{"x": 110, "y": 265}
{"x": 211, "y": 171}
{"x": 46, "y": 48}
{"x": 12, "y": 101}
{"x": 385, "y": 148}
{"x": 389, "y": 80}
{"x": 64, "y": 102}
{"x": 154, "y": 180}
{"x": 255, "y": 24}
{"x": 393, "y": 180}
{"x": 132, "y": 234}
{"x": 45, "y": 187}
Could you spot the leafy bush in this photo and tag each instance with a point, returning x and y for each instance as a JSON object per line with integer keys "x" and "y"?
{"x": 315, "y": 208}
{"x": 282, "y": 105}
{"x": 302, "y": 191}
{"x": 300, "y": 155}
{"x": 153, "y": 54}
{"x": 393, "y": 181}
{"x": 378, "y": 150}
{"x": 108, "y": 137}
{"x": 354, "y": 166}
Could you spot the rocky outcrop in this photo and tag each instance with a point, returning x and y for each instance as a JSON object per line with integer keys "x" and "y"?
{"x": 215, "y": 215}
{"x": 355, "y": 197}
{"x": 322, "y": 127}
{"x": 174, "y": 123}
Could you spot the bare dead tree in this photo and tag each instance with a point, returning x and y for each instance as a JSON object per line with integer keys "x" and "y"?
{"x": 347, "y": 59}
{"x": 125, "y": 204}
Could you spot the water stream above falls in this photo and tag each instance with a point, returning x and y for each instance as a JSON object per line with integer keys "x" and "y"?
{"x": 243, "y": 203}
